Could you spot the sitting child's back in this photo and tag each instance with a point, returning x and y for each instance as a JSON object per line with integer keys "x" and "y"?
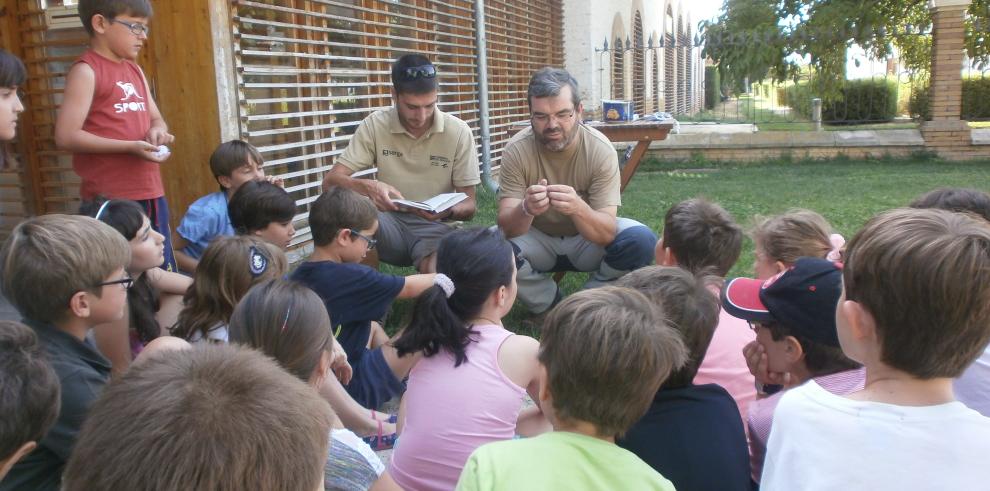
{"x": 690, "y": 433}
{"x": 915, "y": 311}
{"x": 468, "y": 388}
{"x": 604, "y": 353}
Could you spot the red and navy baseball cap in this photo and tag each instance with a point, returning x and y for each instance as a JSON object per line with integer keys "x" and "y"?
{"x": 802, "y": 299}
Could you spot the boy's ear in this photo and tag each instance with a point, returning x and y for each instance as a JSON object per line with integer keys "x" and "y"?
{"x": 858, "y": 320}
{"x": 79, "y": 304}
{"x": 18, "y": 454}
{"x": 225, "y": 181}
{"x": 342, "y": 236}
{"x": 100, "y": 24}
{"x": 792, "y": 349}
{"x": 781, "y": 267}
{"x": 544, "y": 385}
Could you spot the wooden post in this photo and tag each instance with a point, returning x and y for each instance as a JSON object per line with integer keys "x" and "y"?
{"x": 195, "y": 90}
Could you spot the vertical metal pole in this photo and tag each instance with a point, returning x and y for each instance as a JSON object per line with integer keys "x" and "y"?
{"x": 481, "y": 45}
{"x": 816, "y": 113}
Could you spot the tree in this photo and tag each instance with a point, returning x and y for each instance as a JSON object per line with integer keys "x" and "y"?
{"x": 755, "y": 38}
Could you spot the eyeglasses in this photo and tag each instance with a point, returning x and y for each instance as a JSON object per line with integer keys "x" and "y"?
{"x": 127, "y": 283}
{"x": 371, "y": 242}
{"x": 136, "y": 28}
{"x": 562, "y": 117}
{"x": 424, "y": 71}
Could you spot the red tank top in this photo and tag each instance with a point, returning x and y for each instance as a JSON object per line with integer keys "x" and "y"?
{"x": 119, "y": 111}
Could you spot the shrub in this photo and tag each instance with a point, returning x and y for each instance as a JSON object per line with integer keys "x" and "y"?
{"x": 975, "y": 100}
{"x": 859, "y": 101}
{"x": 713, "y": 84}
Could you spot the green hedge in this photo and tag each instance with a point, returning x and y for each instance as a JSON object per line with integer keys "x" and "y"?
{"x": 975, "y": 100}
{"x": 713, "y": 83}
{"x": 860, "y": 101}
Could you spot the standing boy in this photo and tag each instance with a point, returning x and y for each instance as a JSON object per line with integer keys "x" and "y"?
{"x": 64, "y": 274}
{"x": 915, "y": 311}
{"x": 108, "y": 119}
{"x": 603, "y": 355}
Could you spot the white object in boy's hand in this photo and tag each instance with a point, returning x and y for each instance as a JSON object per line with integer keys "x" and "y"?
{"x": 162, "y": 152}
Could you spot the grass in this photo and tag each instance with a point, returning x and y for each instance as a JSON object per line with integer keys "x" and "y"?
{"x": 846, "y": 192}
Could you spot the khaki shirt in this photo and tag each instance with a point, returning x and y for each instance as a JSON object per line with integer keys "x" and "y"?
{"x": 441, "y": 159}
{"x": 591, "y": 167}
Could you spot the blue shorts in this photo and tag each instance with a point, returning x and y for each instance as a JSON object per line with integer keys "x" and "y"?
{"x": 373, "y": 383}
{"x": 157, "y": 211}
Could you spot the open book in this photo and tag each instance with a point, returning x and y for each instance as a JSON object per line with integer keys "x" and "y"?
{"x": 437, "y": 204}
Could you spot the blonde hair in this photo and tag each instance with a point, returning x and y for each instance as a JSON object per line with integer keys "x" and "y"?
{"x": 224, "y": 275}
{"x": 50, "y": 258}
{"x": 793, "y": 235}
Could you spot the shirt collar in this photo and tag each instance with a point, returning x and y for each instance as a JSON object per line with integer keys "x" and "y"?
{"x": 66, "y": 342}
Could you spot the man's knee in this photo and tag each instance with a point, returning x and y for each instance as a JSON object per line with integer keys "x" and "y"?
{"x": 632, "y": 248}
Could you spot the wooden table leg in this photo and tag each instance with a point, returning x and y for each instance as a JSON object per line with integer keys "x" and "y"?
{"x": 630, "y": 168}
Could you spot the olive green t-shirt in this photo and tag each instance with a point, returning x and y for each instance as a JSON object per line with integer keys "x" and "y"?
{"x": 591, "y": 167}
{"x": 441, "y": 159}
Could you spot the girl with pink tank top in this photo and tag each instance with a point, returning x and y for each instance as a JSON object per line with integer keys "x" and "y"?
{"x": 469, "y": 387}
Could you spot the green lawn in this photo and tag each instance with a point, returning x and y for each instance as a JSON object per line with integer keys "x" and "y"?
{"x": 846, "y": 192}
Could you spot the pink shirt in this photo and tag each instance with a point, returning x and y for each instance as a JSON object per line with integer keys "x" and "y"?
{"x": 761, "y": 412}
{"x": 724, "y": 363}
{"x": 452, "y": 411}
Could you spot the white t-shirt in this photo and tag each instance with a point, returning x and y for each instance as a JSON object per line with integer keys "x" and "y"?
{"x": 823, "y": 441}
{"x": 973, "y": 387}
{"x": 215, "y": 334}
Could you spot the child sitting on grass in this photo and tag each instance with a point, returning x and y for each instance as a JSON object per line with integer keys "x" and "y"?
{"x": 469, "y": 387}
{"x": 915, "y": 311}
{"x": 65, "y": 275}
{"x": 603, "y": 355}
{"x": 215, "y": 417}
{"x": 356, "y": 296}
{"x": 28, "y": 393}
{"x": 155, "y": 298}
{"x": 972, "y": 388}
{"x": 701, "y": 237}
{"x": 691, "y": 433}
{"x": 229, "y": 268}
{"x": 793, "y": 315}
{"x": 233, "y": 163}
{"x": 264, "y": 210}
{"x": 289, "y": 323}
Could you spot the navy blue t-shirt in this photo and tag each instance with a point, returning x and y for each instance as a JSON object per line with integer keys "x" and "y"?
{"x": 694, "y": 437}
{"x": 354, "y": 295}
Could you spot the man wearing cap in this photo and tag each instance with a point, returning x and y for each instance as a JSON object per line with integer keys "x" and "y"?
{"x": 559, "y": 195}
{"x": 793, "y": 314}
{"x": 420, "y": 152}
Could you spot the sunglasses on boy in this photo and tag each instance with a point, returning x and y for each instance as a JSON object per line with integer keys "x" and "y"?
{"x": 127, "y": 283}
{"x": 371, "y": 242}
{"x": 415, "y": 72}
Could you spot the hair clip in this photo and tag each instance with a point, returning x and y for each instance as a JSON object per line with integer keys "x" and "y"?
{"x": 259, "y": 262}
{"x": 286, "y": 321}
{"x": 445, "y": 284}
{"x": 102, "y": 208}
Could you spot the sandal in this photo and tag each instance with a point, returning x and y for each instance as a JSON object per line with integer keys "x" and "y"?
{"x": 380, "y": 441}
{"x": 392, "y": 418}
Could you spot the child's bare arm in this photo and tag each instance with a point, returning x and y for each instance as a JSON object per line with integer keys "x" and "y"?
{"x": 158, "y": 133}
{"x": 77, "y": 100}
{"x": 168, "y": 282}
{"x": 416, "y": 284}
{"x": 185, "y": 261}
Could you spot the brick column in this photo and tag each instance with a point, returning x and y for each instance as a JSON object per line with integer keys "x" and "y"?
{"x": 946, "y": 134}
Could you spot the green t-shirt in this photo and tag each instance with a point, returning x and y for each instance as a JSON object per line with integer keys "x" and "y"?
{"x": 558, "y": 460}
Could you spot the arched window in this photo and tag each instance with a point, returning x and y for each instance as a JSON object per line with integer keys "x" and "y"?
{"x": 639, "y": 66}
{"x": 618, "y": 70}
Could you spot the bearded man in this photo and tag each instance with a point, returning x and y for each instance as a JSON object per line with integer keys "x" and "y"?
{"x": 559, "y": 195}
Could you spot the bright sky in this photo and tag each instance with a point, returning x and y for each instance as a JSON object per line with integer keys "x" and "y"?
{"x": 704, "y": 9}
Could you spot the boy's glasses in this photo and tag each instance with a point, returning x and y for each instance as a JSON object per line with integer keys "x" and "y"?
{"x": 136, "y": 29}
{"x": 425, "y": 71}
{"x": 371, "y": 242}
{"x": 127, "y": 283}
